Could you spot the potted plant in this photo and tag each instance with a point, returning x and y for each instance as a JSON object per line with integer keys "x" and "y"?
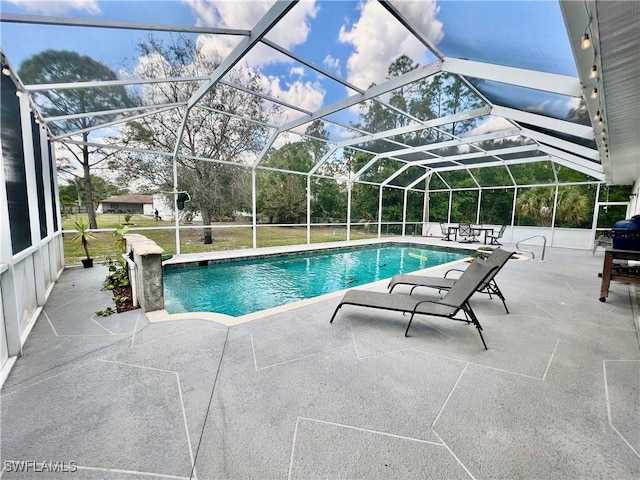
{"x": 83, "y": 236}
{"x": 482, "y": 252}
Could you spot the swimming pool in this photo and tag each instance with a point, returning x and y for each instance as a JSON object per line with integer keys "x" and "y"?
{"x": 240, "y": 287}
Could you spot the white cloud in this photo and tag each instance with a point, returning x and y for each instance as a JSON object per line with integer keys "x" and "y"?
{"x": 492, "y": 124}
{"x": 292, "y": 30}
{"x": 332, "y": 63}
{"x": 296, "y": 71}
{"x": 378, "y": 39}
{"x": 58, "y": 7}
{"x": 306, "y": 95}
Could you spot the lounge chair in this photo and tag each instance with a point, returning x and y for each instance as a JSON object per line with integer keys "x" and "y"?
{"x": 495, "y": 237}
{"x": 466, "y": 233}
{"x": 498, "y": 258}
{"x": 456, "y": 299}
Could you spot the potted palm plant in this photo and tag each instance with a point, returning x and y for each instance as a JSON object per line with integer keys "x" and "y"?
{"x": 83, "y": 236}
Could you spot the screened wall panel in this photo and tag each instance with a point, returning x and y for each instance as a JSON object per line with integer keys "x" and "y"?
{"x": 14, "y": 168}
{"x": 464, "y": 206}
{"x": 575, "y": 206}
{"x": 496, "y": 206}
{"x": 37, "y": 155}
{"x": 534, "y": 206}
{"x": 52, "y": 181}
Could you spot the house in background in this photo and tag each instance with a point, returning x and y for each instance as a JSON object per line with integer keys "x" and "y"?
{"x": 139, "y": 204}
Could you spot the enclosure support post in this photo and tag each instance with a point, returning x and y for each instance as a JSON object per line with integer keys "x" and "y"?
{"x": 425, "y": 213}
{"x": 449, "y": 207}
{"x": 349, "y": 186}
{"x": 254, "y": 213}
{"x": 175, "y": 178}
{"x": 513, "y": 211}
{"x": 596, "y": 212}
{"x": 553, "y": 215}
{"x": 404, "y": 213}
{"x": 308, "y": 209}
{"x": 478, "y": 209}
{"x": 380, "y": 214}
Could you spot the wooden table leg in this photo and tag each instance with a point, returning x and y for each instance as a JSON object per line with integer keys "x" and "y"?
{"x": 606, "y": 276}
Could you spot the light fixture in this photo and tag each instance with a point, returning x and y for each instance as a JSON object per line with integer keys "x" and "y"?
{"x": 586, "y": 41}
{"x": 594, "y": 71}
{"x": 594, "y": 92}
{"x": 19, "y": 93}
{"x": 6, "y": 70}
{"x": 596, "y": 117}
{"x": 632, "y": 195}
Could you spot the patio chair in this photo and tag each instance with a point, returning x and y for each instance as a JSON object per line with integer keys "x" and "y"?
{"x": 455, "y": 300}
{"x": 495, "y": 237}
{"x": 446, "y": 233}
{"x": 603, "y": 240}
{"x": 466, "y": 233}
{"x": 498, "y": 258}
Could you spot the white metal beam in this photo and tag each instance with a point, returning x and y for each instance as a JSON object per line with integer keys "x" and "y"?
{"x": 371, "y": 93}
{"x": 548, "y": 82}
{"x": 478, "y": 112}
{"x": 111, "y": 124}
{"x": 385, "y": 87}
{"x": 417, "y": 32}
{"x": 580, "y": 168}
{"x": 324, "y": 158}
{"x": 563, "y": 144}
{"x": 109, "y": 83}
{"x": 364, "y": 168}
{"x": 112, "y": 112}
{"x": 595, "y": 168}
{"x": 488, "y": 153}
{"x": 266, "y": 23}
{"x": 90, "y": 22}
{"x": 495, "y": 164}
{"x": 461, "y": 141}
{"x": 265, "y": 97}
{"x": 542, "y": 121}
{"x": 238, "y": 117}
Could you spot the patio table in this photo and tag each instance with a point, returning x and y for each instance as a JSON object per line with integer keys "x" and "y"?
{"x": 486, "y": 231}
{"x": 610, "y": 275}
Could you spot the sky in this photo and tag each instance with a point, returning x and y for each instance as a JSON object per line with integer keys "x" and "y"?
{"x": 355, "y": 40}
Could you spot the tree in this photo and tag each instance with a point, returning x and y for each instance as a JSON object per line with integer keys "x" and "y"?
{"x": 216, "y": 189}
{"x": 434, "y": 97}
{"x": 283, "y": 196}
{"x": 63, "y": 66}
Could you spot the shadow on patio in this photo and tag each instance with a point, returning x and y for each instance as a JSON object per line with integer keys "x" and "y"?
{"x": 557, "y": 395}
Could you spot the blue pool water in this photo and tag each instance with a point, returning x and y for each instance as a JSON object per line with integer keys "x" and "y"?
{"x": 242, "y": 287}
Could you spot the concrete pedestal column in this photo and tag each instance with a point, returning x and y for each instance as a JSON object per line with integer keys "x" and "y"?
{"x": 147, "y": 256}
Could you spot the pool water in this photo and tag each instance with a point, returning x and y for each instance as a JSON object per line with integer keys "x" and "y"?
{"x": 241, "y": 287}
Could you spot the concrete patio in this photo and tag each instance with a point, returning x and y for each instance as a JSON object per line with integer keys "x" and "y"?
{"x": 557, "y": 395}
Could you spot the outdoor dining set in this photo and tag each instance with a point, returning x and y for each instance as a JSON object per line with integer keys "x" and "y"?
{"x": 468, "y": 233}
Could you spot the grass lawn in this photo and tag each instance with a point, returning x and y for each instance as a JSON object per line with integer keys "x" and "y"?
{"x": 224, "y": 238}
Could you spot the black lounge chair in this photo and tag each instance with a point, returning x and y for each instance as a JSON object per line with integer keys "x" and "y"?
{"x": 498, "y": 258}
{"x": 456, "y": 299}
